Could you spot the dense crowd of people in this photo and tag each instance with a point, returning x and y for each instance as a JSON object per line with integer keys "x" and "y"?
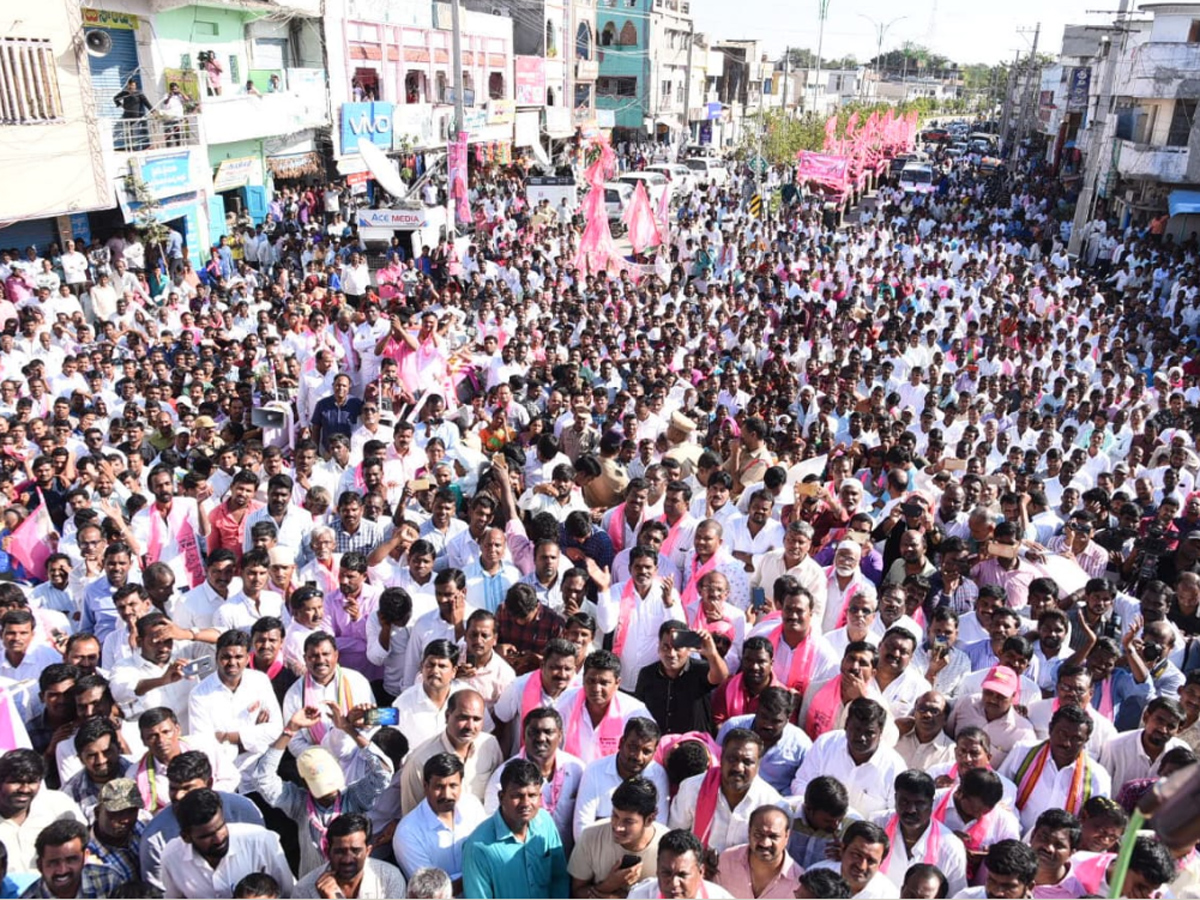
{"x": 813, "y": 560}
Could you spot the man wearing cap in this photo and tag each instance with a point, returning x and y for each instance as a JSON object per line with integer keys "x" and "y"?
{"x": 682, "y": 448}
{"x": 325, "y": 794}
{"x": 117, "y": 830}
{"x": 993, "y": 711}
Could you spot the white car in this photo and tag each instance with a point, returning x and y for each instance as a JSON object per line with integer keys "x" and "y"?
{"x": 706, "y": 169}
{"x": 655, "y": 184}
{"x": 679, "y": 175}
{"x": 617, "y": 195}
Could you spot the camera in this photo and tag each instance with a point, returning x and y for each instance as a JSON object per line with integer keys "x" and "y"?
{"x": 205, "y": 56}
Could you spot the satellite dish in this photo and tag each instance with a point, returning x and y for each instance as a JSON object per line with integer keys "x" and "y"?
{"x": 382, "y": 169}
{"x": 98, "y": 43}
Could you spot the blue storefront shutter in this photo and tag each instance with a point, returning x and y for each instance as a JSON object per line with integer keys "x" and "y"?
{"x": 255, "y": 196}
{"x": 111, "y": 71}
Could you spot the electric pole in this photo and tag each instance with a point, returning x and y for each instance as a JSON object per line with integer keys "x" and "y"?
{"x": 822, "y": 12}
{"x": 1033, "y": 83}
{"x": 1100, "y": 141}
{"x": 787, "y": 52}
{"x": 687, "y": 88}
{"x": 460, "y": 116}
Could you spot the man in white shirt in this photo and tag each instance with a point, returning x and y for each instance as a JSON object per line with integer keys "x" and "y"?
{"x": 210, "y": 857}
{"x": 679, "y": 872}
{"x": 1137, "y": 754}
{"x": 634, "y": 610}
{"x": 1057, "y": 772}
{"x": 854, "y": 756}
{"x": 27, "y": 806}
{"x": 634, "y": 757}
{"x": 561, "y": 772}
{"x": 155, "y": 676}
{"x": 434, "y": 832}
{"x": 917, "y": 836}
{"x": 717, "y": 805}
{"x": 236, "y": 705}
{"x": 864, "y": 847}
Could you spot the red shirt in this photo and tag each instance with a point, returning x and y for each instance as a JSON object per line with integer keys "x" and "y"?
{"x": 227, "y": 533}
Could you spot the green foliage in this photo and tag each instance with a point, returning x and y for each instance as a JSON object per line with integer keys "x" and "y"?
{"x": 146, "y": 220}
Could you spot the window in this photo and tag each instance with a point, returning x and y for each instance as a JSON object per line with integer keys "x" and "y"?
{"x": 629, "y": 35}
{"x": 416, "y": 87}
{"x": 1181, "y": 123}
{"x": 28, "y": 82}
{"x": 551, "y": 38}
{"x": 583, "y": 41}
{"x": 1194, "y": 32}
{"x": 608, "y": 35}
{"x": 496, "y": 86}
{"x": 441, "y": 87}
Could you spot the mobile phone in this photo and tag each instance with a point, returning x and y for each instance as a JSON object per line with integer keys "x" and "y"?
{"x": 687, "y": 640}
{"x": 200, "y": 668}
{"x": 1003, "y": 551}
{"x": 382, "y": 715}
{"x": 629, "y": 860}
{"x": 469, "y": 660}
{"x": 953, "y": 464}
{"x": 419, "y": 484}
{"x": 911, "y": 510}
{"x": 758, "y": 598}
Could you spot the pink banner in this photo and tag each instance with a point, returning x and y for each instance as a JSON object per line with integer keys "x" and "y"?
{"x": 456, "y": 165}
{"x": 530, "y": 84}
{"x": 824, "y": 169}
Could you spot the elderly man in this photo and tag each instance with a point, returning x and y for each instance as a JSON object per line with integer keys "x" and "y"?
{"x": 844, "y": 581}
{"x": 791, "y": 559}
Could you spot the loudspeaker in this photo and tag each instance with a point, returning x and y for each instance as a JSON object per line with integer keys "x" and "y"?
{"x": 98, "y": 43}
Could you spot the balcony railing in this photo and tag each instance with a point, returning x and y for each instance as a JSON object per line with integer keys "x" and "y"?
{"x": 154, "y": 132}
{"x": 1165, "y": 164}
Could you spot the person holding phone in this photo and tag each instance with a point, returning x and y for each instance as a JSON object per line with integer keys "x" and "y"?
{"x": 614, "y": 855}
{"x": 677, "y": 689}
{"x": 325, "y": 794}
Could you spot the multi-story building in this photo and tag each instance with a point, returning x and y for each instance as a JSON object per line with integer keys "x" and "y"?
{"x": 1141, "y": 157}
{"x": 50, "y": 151}
{"x": 391, "y": 81}
{"x": 643, "y": 55}
{"x": 251, "y": 88}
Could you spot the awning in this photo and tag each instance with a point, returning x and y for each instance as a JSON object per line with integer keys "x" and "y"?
{"x": 1184, "y": 203}
{"x": 295, "y": 165}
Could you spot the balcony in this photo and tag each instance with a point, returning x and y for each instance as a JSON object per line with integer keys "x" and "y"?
{"x": 154, "y": 132}
{"x": 1165, "y": 164}
{"x": 1163, "y": 70}
{"x": 240, "y": 117}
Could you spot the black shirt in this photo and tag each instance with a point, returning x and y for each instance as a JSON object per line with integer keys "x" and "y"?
{"x": 679, "y": 704}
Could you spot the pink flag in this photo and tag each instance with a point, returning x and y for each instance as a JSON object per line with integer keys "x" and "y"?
{"x": 29, "y": 544}
{"x": 664, "y": 212}
{"x": 638, "y": 218}
{"x": 830, "y": 132}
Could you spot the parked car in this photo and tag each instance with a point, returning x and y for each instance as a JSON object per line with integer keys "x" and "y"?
{"x": 617, "y": 195}
{"x": 679, "y": 176}
{"x": 655, "y": 183}
{"x": 706, "y": 169}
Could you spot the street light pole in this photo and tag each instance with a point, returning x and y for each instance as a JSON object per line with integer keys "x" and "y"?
{"x": 822, "y": 13}
{"x": 881, "y": 30}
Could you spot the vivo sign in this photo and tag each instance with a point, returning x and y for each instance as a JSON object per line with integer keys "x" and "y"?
{"x": 366, "y": 121}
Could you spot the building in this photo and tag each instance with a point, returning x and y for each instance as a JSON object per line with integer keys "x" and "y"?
{"x": 49, "y": 128}
{"x": 391, "y": 81}
{"x": 644, "y": 46}
{"x": 252, "y": 91}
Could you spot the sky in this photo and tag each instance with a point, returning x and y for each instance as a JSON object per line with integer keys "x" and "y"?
{"x": 966, "y": 31}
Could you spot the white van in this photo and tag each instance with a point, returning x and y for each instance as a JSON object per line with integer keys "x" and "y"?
{"x": 706, "y": 169}
{"x": 917, "y": 178}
